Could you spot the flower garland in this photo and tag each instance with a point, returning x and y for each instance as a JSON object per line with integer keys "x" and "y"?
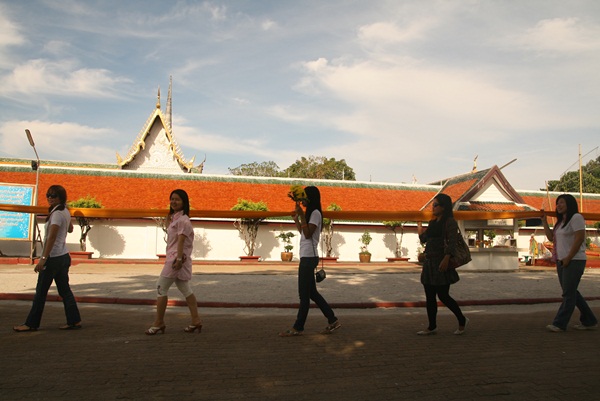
{"x": 297, "y": 193}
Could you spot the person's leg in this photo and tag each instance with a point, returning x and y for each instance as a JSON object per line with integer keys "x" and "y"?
{"x": 443, "y": 292}
{"x": 569, "y": 278}
{"x": 192, "y": 303}
{"x": 45, "y": 278}
{"x": 319, "y": 300}
{"x": 64, "y": 290}
{"x": 162, "y": 290}
{"x": 431, "y": 304}
{"x": 305, "y": 278}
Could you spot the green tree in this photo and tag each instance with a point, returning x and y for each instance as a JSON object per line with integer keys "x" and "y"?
{"x": 248, "y": 227}
{"x": 85, "y": 223}
{"x": 254, "y": 169}
{"x": 320, "y": 167}
{"x": 569, "y": 182}
{"x": 328, "y": 230}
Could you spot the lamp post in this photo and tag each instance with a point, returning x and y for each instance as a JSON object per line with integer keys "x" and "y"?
{"x": 35, "y": 165}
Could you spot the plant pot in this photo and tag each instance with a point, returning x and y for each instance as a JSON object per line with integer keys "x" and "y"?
{"x": 249, "y": 258}
{"x": 161, "y": 256}
{"x": 81, "y": 255}
{"x": 332, "y": 259}
{"x": 287, "y": 256}
{"x": 364, "y": 257}
{"x": 394, "y": 259}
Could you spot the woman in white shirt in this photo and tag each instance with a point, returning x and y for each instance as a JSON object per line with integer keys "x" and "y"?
{"x": 568, "y": 237}
{"x": 309, "y": 224}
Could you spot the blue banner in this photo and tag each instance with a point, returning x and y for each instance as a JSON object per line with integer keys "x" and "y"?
{"x": 16, "y": 226}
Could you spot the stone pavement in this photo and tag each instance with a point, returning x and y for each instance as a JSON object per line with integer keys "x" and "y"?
{"x": 505, "y": 354}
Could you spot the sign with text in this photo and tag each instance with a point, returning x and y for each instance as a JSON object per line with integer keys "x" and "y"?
{"x": 16, "y": 226}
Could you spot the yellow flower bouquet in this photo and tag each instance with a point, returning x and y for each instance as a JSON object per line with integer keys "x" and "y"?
{"x": 297, "y": 193}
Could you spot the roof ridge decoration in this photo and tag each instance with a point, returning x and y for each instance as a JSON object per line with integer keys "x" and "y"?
{"x": 140, "y": 144}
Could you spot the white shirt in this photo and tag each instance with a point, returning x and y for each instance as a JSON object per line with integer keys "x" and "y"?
{"x": 309, "y": 246}
{"x": 565, "y": 236}
{"x": 62, "y": 219}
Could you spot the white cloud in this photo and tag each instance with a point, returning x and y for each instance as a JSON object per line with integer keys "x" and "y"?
{"x": 564, "y": 35}
{"x": 42, "y": 76}
{"x": 57, "y": 141}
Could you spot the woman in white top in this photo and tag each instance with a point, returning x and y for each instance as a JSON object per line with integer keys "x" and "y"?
{"x": 54, "y": 264}
{"x": 568, "y": 236}
{"x": 309, "y": 224}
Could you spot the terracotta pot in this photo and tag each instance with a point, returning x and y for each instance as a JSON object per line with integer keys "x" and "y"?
{"x": 364, "y": 257}
{"x": 249, "y": 258}
{"x": 81, "y": 255}
{"x": 287, "y": 256}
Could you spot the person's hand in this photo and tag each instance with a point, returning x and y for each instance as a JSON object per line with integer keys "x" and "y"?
{"x": 444, "y": 263}
{"x": 41, "y": 265}
{"x": 178, "y": 264}
{"x": 565, "y": 261}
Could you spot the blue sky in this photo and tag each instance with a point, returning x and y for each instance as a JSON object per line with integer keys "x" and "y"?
{"x": 401, "y": 90}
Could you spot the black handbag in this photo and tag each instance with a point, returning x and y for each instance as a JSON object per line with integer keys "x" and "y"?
{"x": 320, "y": 275}
{"x": 463, "y": 254}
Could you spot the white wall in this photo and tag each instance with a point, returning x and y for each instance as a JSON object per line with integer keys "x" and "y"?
{"x": 219, "y": 240}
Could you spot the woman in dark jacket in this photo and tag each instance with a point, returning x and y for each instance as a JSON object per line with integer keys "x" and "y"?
{"x": 440, "y": 238}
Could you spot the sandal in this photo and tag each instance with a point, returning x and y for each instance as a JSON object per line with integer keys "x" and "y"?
{"x": 23, "y": 328}
{"x": 75, "y": 326}
{"x": 290, "y": 333}
{"x": 332, "y": 327}
{"x": 155, "y": 330}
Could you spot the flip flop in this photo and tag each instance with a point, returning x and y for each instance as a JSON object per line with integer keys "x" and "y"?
{"x": 70, "y": 327}
{"x": 23, "y": 328}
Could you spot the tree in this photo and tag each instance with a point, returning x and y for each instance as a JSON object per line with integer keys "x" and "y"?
{"x": 254, "y": 169}
{"x": 248, "y": 227}
{"x": 320, "y": 167}
{"x": 328, "y": 230}
{"x": 394, "y": 226}
{"x": 85, "y": 223}
{"x": 569, "y": 182}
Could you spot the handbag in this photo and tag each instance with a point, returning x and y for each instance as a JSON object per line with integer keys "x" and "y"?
{"x": 462, "y": 253}
{"x": 320, "y": 275}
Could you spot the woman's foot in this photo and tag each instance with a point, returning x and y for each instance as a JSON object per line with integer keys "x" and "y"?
{"x": 23, "y": 328}
{"x": 75, "y": 326}
{"x": 427, "y": 332}
{"x": 332, "y": 327}
{"x": 193, "y": 327}
{"x": 290, "y": 333}
{"x": 461, "y": 329}
{"x": 155, "y": 330}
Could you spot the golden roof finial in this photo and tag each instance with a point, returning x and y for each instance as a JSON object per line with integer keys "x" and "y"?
{"x": 158, "y": 99}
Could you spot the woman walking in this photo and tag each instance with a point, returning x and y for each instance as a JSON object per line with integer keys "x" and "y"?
{"x": 54, "y": 264}
{"x": 440, "y": 238}
{"x": 568, "y": 237}
{"x": 309, "y": 224}
{"x": 178, "y": 263}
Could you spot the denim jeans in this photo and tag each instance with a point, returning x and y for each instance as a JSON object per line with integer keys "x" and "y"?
{"x": 307, "y": 290}
{"x": 57, "y": 270}
{"x": 569, "y": 278}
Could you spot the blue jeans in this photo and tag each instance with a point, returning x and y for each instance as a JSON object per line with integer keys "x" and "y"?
{"x": 307, "y": 289}
{"x": 569, "y": 278}
{"x": 57, "y": 270}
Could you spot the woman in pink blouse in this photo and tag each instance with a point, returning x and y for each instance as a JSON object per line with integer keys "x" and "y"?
{"x": 178, "y": 264}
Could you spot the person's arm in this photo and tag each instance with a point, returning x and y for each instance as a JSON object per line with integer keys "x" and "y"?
{"x": 50, "y": 240}
{"x": 451, "y": 239}
{"x": 303, "y": 226}
{"x": 547, "y": 230}
{"x": 578, "y": 240}
{"x": 179, "y": 258}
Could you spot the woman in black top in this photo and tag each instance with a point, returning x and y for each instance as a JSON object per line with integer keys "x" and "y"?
{"x": 440, "y": 238}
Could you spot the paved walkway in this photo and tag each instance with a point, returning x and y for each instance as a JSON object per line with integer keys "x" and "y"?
{"x": 505, "y": 355}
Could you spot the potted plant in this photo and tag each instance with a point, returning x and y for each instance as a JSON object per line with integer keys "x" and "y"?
{"x": 85, "y": 223}
{"x": 248, "y": 227}
{"x": 286, "y": 237}
{"x": 328, "y": 232}
{"x": 365, "y": 240}
{"x": 396, "y": 226}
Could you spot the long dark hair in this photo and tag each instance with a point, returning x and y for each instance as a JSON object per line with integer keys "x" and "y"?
{"x": 572, "y": 208}
{"x": 61, "y": 192}
{"x": 446, "y": 203}
{"x": 186, "y": 201}
{"x": 314, "y": 202}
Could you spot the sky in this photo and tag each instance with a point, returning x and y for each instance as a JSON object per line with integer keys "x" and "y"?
{"x": 403, "y": 90}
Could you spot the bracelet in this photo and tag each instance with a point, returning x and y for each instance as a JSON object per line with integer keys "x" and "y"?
{"x": 43, "y": 258}
{"x": 179, "y": 259}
